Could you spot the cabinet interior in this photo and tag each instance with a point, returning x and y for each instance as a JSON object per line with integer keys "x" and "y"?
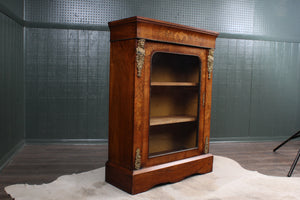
{"x": 174, "y": 103}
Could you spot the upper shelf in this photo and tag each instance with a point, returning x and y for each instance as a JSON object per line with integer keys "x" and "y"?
{"x": 174, "y": 84}
{"x": 173, "y": 67}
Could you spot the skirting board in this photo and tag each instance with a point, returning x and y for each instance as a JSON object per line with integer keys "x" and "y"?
{"x": 248, "y": 139}
{"x": 105, "y": 141}
{"x": 66, "y": 141}
{"x": 8, "y": 156}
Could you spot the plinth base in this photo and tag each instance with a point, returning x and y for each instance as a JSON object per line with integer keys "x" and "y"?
{"x": 141, "y": 180}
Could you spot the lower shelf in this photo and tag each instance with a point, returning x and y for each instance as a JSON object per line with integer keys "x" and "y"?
{"x": 141, "y": 180}
{"x": 170, "y": 138}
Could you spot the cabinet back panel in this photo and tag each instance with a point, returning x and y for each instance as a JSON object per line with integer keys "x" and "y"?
{"x": 173, "y": 101}
{"x": 172, "y": 138}
{"x": 171, "y": 67}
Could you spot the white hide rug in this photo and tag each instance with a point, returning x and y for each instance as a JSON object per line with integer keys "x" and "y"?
{"x": 228, "y": 181}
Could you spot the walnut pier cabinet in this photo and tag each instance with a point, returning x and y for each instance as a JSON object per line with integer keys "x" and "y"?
{"x": 159, "y": 103}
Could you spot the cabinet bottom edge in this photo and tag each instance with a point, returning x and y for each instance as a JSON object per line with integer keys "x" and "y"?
{"x": 137, "y": 181}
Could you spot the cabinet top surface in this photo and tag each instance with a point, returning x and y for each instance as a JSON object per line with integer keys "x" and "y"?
{"x": 139, "y": 19}
{"x": 157, "y": 30}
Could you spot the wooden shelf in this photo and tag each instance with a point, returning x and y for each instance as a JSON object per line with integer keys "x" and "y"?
{"x": 174, "y": 84}
{"x": 154, "y": 121}
{"x": 161, "y": 153}
{"x": 175, "y": 150}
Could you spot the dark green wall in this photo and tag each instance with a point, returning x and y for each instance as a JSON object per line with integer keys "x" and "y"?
{"x": 11, "y": 86}
{"x": 14, "y": 7}
{"x": 256, "y": 89}
{"x": 256, "y": 73}
{"x": 66, "y": 84}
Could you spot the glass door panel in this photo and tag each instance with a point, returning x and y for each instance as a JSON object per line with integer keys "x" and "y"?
{"x": 174, "y": 103}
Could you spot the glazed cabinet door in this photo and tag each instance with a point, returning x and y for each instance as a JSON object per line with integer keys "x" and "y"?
{"x": 175, "y": 102}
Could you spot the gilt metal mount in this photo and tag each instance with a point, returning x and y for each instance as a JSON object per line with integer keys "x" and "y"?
{"x": 137, "y": 164}
{"x": 140, "y": 56}
{"x": 206, "y": 145}
{"x": 210, "y": 62}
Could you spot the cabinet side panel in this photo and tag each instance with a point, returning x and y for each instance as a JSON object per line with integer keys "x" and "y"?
{"x": 121, "y": 100}
{"x": 123, "y": 32}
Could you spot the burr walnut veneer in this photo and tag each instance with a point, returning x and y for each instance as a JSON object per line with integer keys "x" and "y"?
{"x": 159, "y": 103}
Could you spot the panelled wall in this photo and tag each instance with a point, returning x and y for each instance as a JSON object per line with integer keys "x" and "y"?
{"x": 12, "y": 103}
{"x": 256, "y": 73}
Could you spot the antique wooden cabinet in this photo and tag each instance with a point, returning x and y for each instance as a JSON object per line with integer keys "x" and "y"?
{"x": 159, "y": 103}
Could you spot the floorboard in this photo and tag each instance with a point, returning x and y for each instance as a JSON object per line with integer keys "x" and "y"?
{"x": 37, "y": 164}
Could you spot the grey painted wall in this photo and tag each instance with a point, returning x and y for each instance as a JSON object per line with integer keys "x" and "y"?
{"x": 276, "y": 18}
{"x": 256, "y": 73}
{"x": 11, "y": 86}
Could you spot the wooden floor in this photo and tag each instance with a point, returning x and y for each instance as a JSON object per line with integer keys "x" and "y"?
{"x": 36, "y": 164}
